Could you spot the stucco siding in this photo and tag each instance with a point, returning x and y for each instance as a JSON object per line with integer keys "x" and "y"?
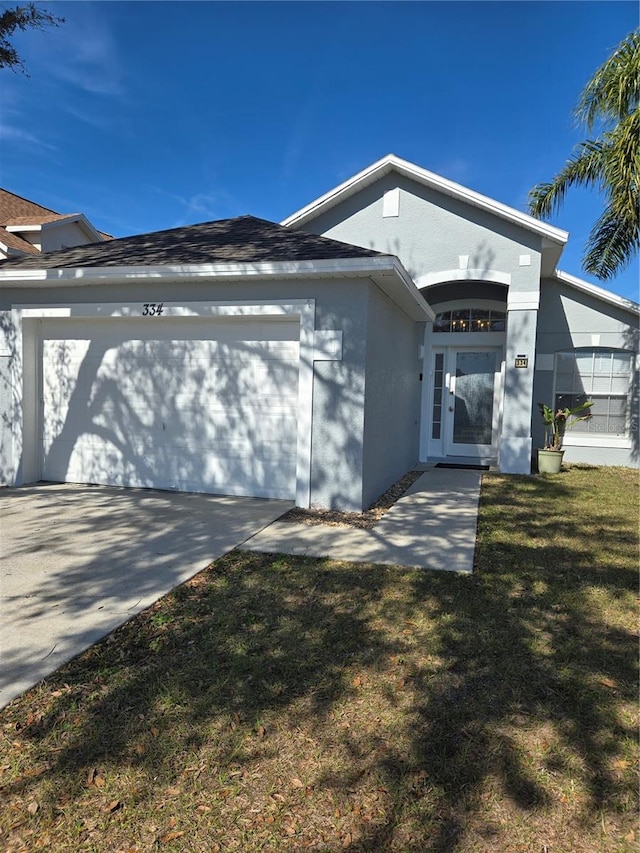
{"x": 569, "y": 319}
{"x": 63, "y": 235}
{"x": 431, "y": 231}
{"x": 392, "y": 395}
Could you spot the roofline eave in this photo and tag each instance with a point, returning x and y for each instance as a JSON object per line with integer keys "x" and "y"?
{"x": 430, "y": 179}
{"x": 598, "y": 292}
{"x": 385, "y": 270}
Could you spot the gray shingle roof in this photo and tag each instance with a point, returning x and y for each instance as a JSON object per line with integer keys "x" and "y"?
{"x": 244, "y": 239}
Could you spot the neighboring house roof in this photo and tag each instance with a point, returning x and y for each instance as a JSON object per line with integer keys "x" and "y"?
{"x": 27, "y": 224}
{"x": 19, "y": 215}
{"x": 391, "y": 163}
{"x": 14, "y": 205}
{"x": 38, "y": 219}
{"x": 9, "y": 242}
{"x": 229, "y": 248}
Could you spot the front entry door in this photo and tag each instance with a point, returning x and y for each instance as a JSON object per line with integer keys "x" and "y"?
{"x": 472, "y": 384}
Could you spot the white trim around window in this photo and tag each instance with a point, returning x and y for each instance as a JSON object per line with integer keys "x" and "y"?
{"x": 604, "y": 375}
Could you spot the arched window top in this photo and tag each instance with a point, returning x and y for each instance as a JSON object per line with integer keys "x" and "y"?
{"x": 470, "y": 320}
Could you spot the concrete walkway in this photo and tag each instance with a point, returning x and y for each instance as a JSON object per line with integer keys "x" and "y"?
{"x": 77, "y": 561}
{"x": 433, "y": 526}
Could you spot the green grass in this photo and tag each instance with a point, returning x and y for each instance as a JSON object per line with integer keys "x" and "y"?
{"x": 277, "y": 703}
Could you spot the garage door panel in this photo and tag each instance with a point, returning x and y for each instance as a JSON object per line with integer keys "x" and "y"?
{"x": 171, "y": 457}
{"x": 211, "y": 433}
{"x": 140, "y": 422}
{"x": 242, "y": 395}
{"x": 93, "y": 460}
{"x": 124, "y": 408}
{"x": 112, "y": 331}
{"x": 86, "y": 377}
{"x": 168, "y": 353}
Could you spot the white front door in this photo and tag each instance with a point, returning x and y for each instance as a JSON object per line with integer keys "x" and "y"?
{"x": 471, "y": 401}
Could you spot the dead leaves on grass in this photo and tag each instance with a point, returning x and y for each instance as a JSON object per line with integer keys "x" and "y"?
{"x": 170, "y": 833}
{"x": 94, "y": 779}
{"x": 171, "y": 836}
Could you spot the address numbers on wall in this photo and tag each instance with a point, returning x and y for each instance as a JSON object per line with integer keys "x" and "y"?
{"x": 152, "y": 309}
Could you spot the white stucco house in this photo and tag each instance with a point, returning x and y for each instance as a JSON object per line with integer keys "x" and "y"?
{"x": 399, "y": 318}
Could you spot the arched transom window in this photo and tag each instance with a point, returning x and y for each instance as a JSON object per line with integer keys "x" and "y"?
{"x": 470, "y": 320}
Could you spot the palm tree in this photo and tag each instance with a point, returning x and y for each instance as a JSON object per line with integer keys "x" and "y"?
{"x": 610, "y": 162}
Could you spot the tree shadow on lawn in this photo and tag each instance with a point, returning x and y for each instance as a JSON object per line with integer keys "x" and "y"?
{"x": 528, "y": 647}
{"x": 490, "y": 661}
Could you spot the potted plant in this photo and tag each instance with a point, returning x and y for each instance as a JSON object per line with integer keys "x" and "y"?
{"x": 557, "y": 422}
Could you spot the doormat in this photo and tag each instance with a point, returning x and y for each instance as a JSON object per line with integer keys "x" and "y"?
{"x": 466, "y": 467}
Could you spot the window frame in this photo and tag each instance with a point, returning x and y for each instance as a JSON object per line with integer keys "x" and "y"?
{"x": 578, "y": 438}
{"x": 495, "y": 318}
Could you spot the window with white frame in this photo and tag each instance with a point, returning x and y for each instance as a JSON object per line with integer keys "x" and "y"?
{"x": 470, "y": 320}
{"x": 600, "y": 375}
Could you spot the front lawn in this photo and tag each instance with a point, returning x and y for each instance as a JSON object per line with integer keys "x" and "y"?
{"x": 285, "y": 704}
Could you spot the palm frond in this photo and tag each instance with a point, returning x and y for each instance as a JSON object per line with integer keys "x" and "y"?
{"x": 583, "y": 169}
{"x": 614, "y": 90}
{"x": 613, "y": 242}
{"x": 609, "y": 164}
{"x": 621, "y": 160}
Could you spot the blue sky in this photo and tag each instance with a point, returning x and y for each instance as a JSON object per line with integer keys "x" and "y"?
{"x": 150, "y": 115}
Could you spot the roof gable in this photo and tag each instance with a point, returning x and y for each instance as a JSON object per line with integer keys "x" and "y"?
{"x": 391, "y": 163}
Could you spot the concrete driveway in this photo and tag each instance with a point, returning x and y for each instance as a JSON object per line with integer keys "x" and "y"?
{"x": 77, "y": 561}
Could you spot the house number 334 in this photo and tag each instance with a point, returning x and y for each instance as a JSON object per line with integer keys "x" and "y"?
{"x": 152, "y": 309}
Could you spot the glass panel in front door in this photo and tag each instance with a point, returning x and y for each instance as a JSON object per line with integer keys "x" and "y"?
{"x": 473, "y": 412}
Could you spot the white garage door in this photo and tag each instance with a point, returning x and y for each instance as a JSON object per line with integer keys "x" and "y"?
{"x": 193, "y": 404}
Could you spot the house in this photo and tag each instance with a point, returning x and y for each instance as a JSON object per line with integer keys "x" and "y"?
{"x": 398, "y": 318}
{"x": 510, "y": 328}
{"x": 27, "y": 228}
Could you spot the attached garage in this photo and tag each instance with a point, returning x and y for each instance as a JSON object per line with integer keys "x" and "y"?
{"x": 235, "y": 357}
{"x": 192, "y": 404}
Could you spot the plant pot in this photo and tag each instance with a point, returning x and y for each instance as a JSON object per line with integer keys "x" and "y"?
{"x": 550, "y": 461}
